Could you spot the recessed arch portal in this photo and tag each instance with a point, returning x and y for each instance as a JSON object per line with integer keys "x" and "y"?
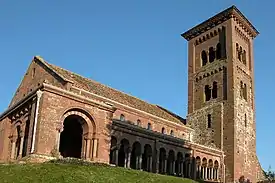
{"x": 71, "y": 137}
{"x": 77, "y": 132}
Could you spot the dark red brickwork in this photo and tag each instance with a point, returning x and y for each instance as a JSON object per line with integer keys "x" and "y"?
{"x": 120, "y": 129}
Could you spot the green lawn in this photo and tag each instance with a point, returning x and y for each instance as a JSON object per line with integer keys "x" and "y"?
{"x": 66, "y": 172}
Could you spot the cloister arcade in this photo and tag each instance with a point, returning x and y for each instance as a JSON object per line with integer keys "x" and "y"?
{"x": 132, "y": 149}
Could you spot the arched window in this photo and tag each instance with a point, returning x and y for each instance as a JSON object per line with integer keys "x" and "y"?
{"x": 241, "y": 89}
{"x": 122, "y": 117}
{"x": 240, "y": 54}
{"x": 204, "y": 58}
{"x": 207, "y": 93}
{"x": 218, "y": 51}
{"x": 209, "y": 121}
{"x": 245, "y": 92}
{"x": 33, "y": 73}
{"x": 211, "y": 54}
{"x": 149, "y": 126}
{"x": 237, "y": 50}
{"x": 172, "y": 133}
{"x": 244, "y": 57}
{"x": 138, "y": 122}
{"x": 215, "y": 90}
{"x": 163, "y": 130}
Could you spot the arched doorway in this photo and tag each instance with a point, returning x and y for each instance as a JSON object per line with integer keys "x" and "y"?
{"x": 162, "y": 160}
{"x": 136, "y": 156}
{"x": 171, "y": 163}
{"x": 179, "y": 164}
{"x": 147, "y": 158}
{"x": 72, "y": 136}
{"x": 123, "y": 153}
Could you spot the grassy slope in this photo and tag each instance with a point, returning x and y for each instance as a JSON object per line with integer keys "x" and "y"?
{"x": 57, "y": 173}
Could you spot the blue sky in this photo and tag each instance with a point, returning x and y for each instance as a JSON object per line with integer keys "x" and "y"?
{"x": 133, "y": 46}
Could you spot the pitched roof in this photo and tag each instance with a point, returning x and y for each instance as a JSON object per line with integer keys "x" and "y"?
{"x": 113, "y": 94}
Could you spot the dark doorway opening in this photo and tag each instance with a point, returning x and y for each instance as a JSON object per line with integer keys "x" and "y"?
{"x": 71, "y": 137}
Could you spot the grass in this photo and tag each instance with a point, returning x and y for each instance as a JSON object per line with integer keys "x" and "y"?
{"x": 60, "y": 172}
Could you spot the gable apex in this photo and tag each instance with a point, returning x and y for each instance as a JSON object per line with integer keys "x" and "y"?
{"x": 43, "y": 62}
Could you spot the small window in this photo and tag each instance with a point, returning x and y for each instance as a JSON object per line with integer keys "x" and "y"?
{"x": 207, "y": 93}
{"x": 244, "y": 57}
{"x": 172, "y": 133}
{"x": 245, "y": 120}
{"x": 209, "y": 121}
{"x": 33, "y": 73}
{"x": 241, "y": 89}
{"x": 149, "y": 126}
{"x": 138, "y": 122}
{"x": 204, "y": 58}
{"x": 215, "y": 90}
{"x": 219, "y": 51}
{"x": 211, "y": 54}
{"x": 163, "y": 130}
{"x": 122, "y": 117}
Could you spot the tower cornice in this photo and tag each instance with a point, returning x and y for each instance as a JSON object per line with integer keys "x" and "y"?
{"x": 232, "y": 12}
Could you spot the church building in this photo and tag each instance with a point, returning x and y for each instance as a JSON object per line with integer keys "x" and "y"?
{"x": 57, "y": 113}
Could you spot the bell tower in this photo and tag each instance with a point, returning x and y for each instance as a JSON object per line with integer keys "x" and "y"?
{"x": 221, "y": 90}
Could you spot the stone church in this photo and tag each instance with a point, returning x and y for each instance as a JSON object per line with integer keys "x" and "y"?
{"x": 57, "y": 113}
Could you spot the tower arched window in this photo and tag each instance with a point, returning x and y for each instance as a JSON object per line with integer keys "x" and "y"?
{"x": 215, "y": 90}
{"x": 218, "y": 51}
{"x": 163, "y": 130}
{"x": 149, "y": 126}
{"x": 138, "y": 122}
{"x": 241, "y": 89}
{"x": 244, "y": 57}
{"x": 209, "y": 121}
{"x": 207, "y": 93}
{"x": 203, "y": 58}
{"x": 211, "y": 54}
{"x": 240, "y": 54}
{"x": 172, "y": 133}
{"x": 122, "y": 117}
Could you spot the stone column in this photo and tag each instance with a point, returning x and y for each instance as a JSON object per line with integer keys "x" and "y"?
{"x": 165, "y": 166}
{"x": 13, "y": 145}
{"x": 157, "y": 165}
{"x": 21, "y": 146}
{"x": 198, "y": 175}
{"x": 173, "y": 167}
{"x": 140, "y": 162}
{"x": 128, "y": 159}
{"x": 95, "y": 143}
{"x": 116, "y": 157}
{"x": 150, "y": 164}
{"x": 182, "y": 172}
{"x": 83, "y": 150}
{"x": 202, "y": 173}
{"x": 88, "y": 148}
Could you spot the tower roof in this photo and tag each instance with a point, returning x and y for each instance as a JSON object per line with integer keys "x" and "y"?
{"x": 231, "y": 12}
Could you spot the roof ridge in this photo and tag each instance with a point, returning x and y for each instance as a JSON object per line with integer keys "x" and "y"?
{"x": 99, "y": 83}
{"x": 69, "y": 73}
